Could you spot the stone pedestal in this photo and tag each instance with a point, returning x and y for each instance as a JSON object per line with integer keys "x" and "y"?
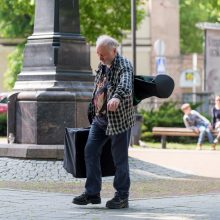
{"x": 53, "y": 90}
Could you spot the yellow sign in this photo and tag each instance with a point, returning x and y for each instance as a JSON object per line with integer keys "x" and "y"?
{"x": 189, "y": 76}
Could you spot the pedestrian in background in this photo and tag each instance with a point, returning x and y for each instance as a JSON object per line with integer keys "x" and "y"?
{"x": 216, "y": 118}
{"x": 112, "y": 102}
{"x": 201, "y": 125}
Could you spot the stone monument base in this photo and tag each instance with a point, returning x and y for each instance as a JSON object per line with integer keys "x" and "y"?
{"x": 32, "y": 151}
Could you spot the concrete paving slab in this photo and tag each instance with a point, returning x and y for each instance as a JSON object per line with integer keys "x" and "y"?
{"x": 31, "y": 205}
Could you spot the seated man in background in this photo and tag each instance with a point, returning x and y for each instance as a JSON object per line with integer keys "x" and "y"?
{"x": 201, "y": 125}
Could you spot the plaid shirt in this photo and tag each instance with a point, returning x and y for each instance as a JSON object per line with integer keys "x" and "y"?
{"x": 120, "y": 85}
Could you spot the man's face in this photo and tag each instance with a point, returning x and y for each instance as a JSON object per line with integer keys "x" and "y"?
{"x": 106, "y": 55}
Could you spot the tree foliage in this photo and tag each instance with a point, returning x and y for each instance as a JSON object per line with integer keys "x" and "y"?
{"x": 16, "y": 18}
{"x": 107, "y": 17}
{"x": 192, "y": 12}
{"x": 97, "y": 17}
{"x": 15, "y": 60}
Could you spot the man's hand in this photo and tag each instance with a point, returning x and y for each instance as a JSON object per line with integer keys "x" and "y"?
{"x": 112, "y": 104}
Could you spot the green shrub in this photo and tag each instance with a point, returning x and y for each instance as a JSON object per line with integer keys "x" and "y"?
{"x": 168, "y": 115}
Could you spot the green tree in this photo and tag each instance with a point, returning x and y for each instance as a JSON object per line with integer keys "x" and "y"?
{"x": 111, "y": 17}
{"x": 192, "y": 12}
{"x": 15, "y": 60}
{"x": 16, "y": 18}
{"x": 96, "y": 17}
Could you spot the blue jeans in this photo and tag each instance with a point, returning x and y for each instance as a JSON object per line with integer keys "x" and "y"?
{"x": 119, "y": 147}
{"x": 203, "y": 130}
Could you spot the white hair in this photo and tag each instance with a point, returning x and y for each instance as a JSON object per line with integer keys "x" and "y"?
{"x": 105, "y": 40}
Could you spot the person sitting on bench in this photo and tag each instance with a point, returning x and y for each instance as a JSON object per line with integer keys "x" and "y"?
{"x": 201, "y": 125}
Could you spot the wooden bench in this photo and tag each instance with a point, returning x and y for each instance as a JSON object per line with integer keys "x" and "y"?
{"x": 171, "y": 131}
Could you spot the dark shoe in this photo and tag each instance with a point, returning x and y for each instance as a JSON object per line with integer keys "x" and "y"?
{"x": 117, "y": 203}
{"x": 85, "y": 199}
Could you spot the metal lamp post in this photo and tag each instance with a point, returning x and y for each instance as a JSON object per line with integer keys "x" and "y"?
{"x": 133, "y": 30}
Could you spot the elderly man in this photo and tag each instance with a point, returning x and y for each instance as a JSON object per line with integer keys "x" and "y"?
{"x": 113, "y": 118}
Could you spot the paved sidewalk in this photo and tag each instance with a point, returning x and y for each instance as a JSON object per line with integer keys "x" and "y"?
{"x": 145, "y": 164}
{"x": 201, "y": 163}
{"x": 29, "y": 205}
{"x": 13, "y": 169}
